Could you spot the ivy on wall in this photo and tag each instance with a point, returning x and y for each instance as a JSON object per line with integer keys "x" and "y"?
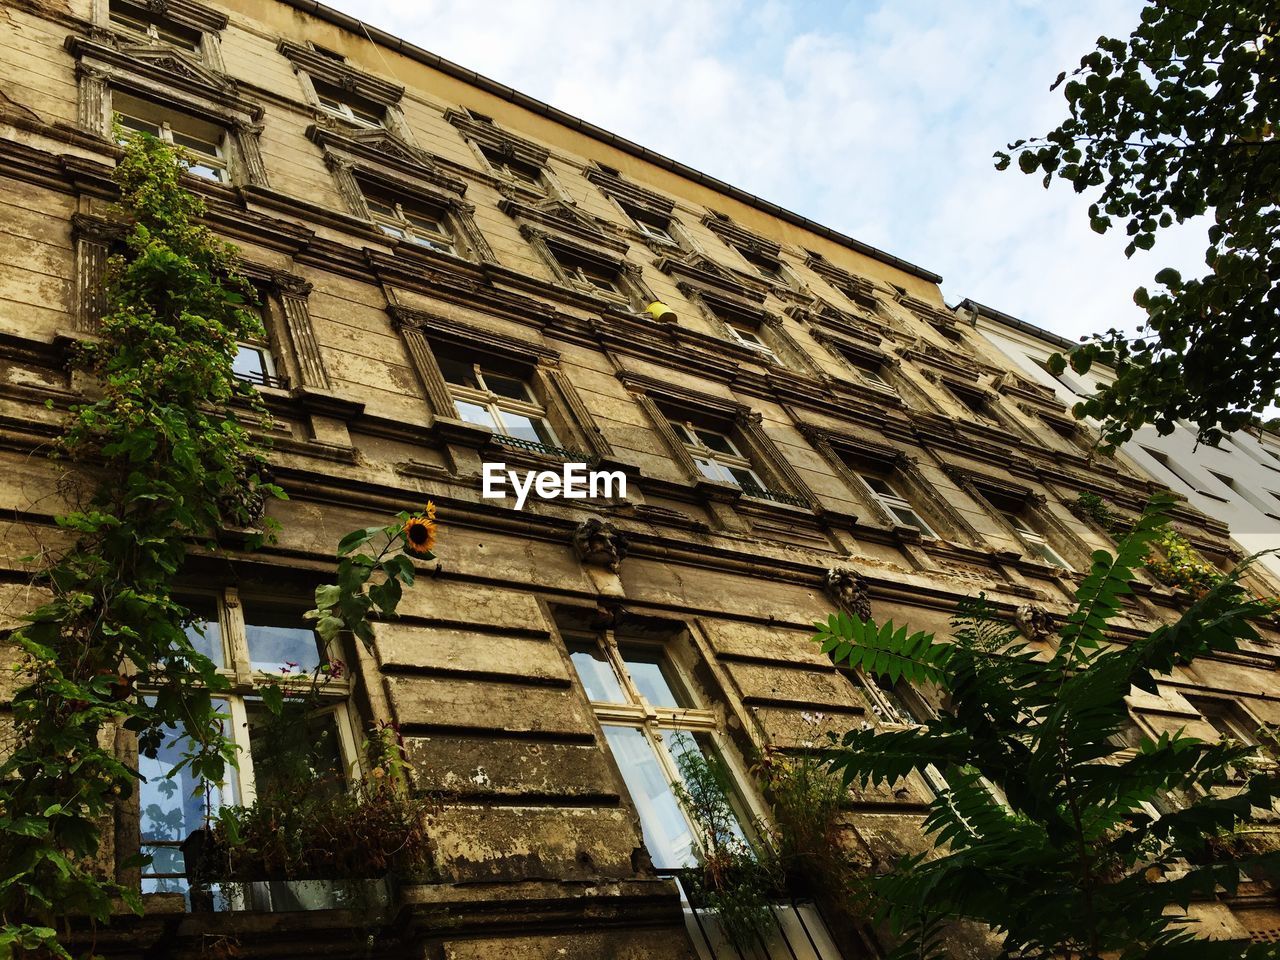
{"x": 160, "y": 460}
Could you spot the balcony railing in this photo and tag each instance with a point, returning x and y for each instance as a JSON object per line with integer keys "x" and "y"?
{"x": 264, "y": 380}
{"x": 546, "y": 449}
{"x": 777, "y": 496}
{"x": 796, "y": 932}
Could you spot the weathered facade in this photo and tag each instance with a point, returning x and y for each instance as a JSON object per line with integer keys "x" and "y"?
{"x": 454, "y": 274}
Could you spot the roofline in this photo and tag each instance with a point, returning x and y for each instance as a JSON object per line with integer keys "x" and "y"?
{"x": 998, "y": 316}
{"x": 413, "y": 52}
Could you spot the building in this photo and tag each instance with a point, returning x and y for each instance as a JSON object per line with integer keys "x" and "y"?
{"x": 1235, "y": 482}
{"x": 456, "y": 274}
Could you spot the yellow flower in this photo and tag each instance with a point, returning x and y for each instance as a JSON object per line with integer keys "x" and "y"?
{"x": 420, "y": 532}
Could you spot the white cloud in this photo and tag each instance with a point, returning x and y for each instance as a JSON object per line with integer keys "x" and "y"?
{"x": 878, "y": 119}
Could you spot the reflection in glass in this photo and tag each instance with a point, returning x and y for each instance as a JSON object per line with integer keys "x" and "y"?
{"x": 597, "y": 675}
{"x": 651, "y": 675}
{"x": 474, "y": 413}
{"x": 279, "y": 638}
{"x": 667, "y": 833}
{"x": 293, "y": 750}
{"x": 170, "y": 808}
{"x": 204, "y": 631}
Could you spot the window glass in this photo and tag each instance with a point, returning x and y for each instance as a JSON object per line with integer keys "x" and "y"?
{"x": 474, "y": 413}
{"x": 667, "y": 833}
{"x": 138, "y": 124}
{"x": 881, "y": 487}
{"x": 717, "y": 442}
{"x": 278, "y": 637}
{"x": 171, "y": 809}
{"x": 457, "y": 371}
{"x": 745, "y": 479}
{"x": 726, "y": 824}
{"x": 709, "y": 469}
{"x": 249, "y": 363}
{"x": 288, "y": 750}
{"x": 526, "y": 428}
{"x": 508, "y": 387}
{"x": 596, "y": 674}
{"x": 651, "y": 674}
{"x": 205, "y": 632}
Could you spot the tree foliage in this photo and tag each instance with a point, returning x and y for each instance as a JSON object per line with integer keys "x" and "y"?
{"x": 1176, "y": 122}
{"x": 158, "y": 459}
{"x": 1086, "y": 852}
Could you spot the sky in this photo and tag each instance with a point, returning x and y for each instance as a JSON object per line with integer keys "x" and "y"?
{"x": 877, "y": 118}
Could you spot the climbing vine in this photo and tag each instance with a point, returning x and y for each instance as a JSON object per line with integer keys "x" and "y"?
{"x": 157, "y": 461}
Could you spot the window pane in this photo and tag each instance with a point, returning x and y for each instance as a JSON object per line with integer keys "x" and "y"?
{"x": 881, "y": 487}
{"x": 207, "y": 147}
{"x": 391, "y": 231}
{"x": 667, "y": 833}
{"x": 651, "y": 673}
{"x": 458, "y": 371}
{"x": 141, "y": 126}
{"x": 250, "y": 363}
{"x": 278, "y": 637}
{"x": 709, "y": 469}
{"x": 474, "y": 413}
{"x": 726, "y": 822}
{"x": 716, "y": 441}
{"x": 746, "y": 479}
{"x": 207, "y": 172}
{"x": 292, "y": 751}
{"x": 533, "y": 429}
{"x": 596, "y": 674}
{"x": 910, "y": 518}
{"x": 681, "y": 431}
{"x": 205, "y": 632}
{"x": 508, "y": 387}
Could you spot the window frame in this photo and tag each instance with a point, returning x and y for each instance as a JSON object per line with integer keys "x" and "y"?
{"x": 138, "y": 25}
{"x": 244, "y": 687}
{"x": 341, "y": 107}
{"x": 1034, "y": 541}
{"x": 444, "y": 240}
{"x": 494, "y": 403}
{"x": 893, "y": 501}
{"x": 505, "y": 166}
{"x": 721, "y": 462}
{"x": 756, "y": 344}
{"x": 165, "y": 131}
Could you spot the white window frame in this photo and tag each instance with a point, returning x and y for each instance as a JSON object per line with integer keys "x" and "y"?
{"x": 1033, "y": 541}
{"x": 342, "y": 110}
{"x": 642, "y": 221}
{"x": 399, "y": 224}
{"x": 893, "y": 502}
{"x": 871, "y": 378}
{"x": 495, "y": 403}
{"x": 581, "y": 275}
{"x": 508, "y": 167}
{"x": 716, "y": 464}
{"x": 245, "y": 684}
{"x": 779, "y": 276}
{"x": 272, "y": 379}
{"x": 165, "y": 131}
{"x": 752, "y": 341}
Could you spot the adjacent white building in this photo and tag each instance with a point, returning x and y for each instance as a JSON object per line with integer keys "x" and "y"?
{"x": 1237, "y": 482}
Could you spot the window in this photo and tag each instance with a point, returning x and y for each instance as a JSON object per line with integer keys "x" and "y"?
{"x": 592, "y": 275}
{"x": 1229, "y": 719}
{"x": 650, "y": 720}
{"x": 416, "y": 224}
{"x": 651, "y": 224}
{"x": 975, "y": 401}
{"x": 142, "y": 23}
{"x": 203, "y": 143}
{"x": 751, "y": 340}
{"x": 524, "y": 173}
{"x": 245, "y": 638}
{"x": 770, "y": 268}
{"x": 254, "y": 364}
{"x": 718, "y": 457}
{"x": 348, "y": 107}
{"x": 1185, "y": 476}
{"x": 887, "y": 495}
{"x": 499, "y": 401}
{"x": 1033, "y": 541}
{"x": 869, "y": 370}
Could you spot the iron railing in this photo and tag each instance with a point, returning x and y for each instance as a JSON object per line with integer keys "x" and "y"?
{"x": 797, "y": 932}
{"x": 546, "y": 449}
{"x": 777, "y": 496}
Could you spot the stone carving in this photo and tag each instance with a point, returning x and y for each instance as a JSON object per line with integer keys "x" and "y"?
{"x": 1035, "y": 622}
{"x": 848, "y": 590}
{"x": 600, "y": 543}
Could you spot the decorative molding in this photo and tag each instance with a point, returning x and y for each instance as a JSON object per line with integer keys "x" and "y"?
{"x": 632, "y": 194}
{"x": 738, "y": 236}
{"x": 1035, "y": 622}
{"x": 599, "y": 543}
{"x": 489, "y": 135}
{"x": 94, "y": 239}
{"x": 340, "y": 75}
{"x": 849, "y": 591}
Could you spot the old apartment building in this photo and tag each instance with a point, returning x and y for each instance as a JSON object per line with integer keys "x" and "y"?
{"x": 455, "y": 274}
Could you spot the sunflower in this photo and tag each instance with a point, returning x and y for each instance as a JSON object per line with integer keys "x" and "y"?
{"x": 420, "y": 532}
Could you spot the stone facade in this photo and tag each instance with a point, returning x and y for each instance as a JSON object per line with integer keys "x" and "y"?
{"x": 812, "y": 429}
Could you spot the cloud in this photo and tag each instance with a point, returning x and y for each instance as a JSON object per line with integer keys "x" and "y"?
{"x": 876, "y": 118}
